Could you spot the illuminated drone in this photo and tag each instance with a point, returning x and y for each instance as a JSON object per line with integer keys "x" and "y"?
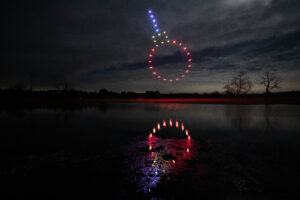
{"x": 159, "y": 39}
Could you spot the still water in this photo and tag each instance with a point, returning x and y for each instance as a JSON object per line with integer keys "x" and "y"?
{"x": 153, "y": 151}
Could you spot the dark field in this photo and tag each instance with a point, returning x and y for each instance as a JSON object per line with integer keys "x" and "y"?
{"x": 234, "y": 151}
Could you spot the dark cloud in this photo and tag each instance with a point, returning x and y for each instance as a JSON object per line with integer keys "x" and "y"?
{"x": 104, "y": 43}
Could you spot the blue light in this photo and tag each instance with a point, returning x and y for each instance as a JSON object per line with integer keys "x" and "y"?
{"x": 151, "y": 16}
{"x": 157, "y": 30}
{"x": 154, "y": 20}
{"x": 155, "y": 25}
{"x": 150, "y": 11}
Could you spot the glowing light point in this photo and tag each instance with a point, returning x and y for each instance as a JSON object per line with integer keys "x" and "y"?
{"x": 177, "y": 124}
{"x": 154, "y": 41}
{"x": 186, "y": 132}
{"x": 170, "y": 123}
{"x": 157, "y": 30}
{"x": 150, "y": 135}
{"x": 156, "y": 173}
{"x": 173, "y": 161}
{"x": 164, "y": 123}
{"x": 155, "y": 25}
{"x": 159, "y": 34}
{"x": 150, "y": 11}
{"x": 151, "y": 67}
{"x": 152, "y": 50}
{"x": 154, "y": 73}
{"x": 156, "y": 45}
{"x": 174, "y": 41}
{"x": 168, "y": 41}
{"x": 189, "y": 137}
{"x": 184, "y": 48}
{"x": 154, "y": 130}
{"x": 182, "y": 76}
{"x": 187, "y": 150}
{"x": 154, "y": 21}
{"x": 150, "y": 61}
{"x": 187, "y": 71}
{"x": 158, "y": 126}
{"x": 164, "y": 79}
{"x": 171, "y": 80}
{"x": 158, "y": 76}
{"x": 162, "y": 42}
{"x": 150, "y": 147}
{"x": 180, "y": 44}
{"x": 150, "y": 55}
{"x": 153, "y": 36}
{"x": 188, "y": 53}
{"x": 182, "y": 127}
{"x": 151, "y": 16}
{"x": 165, "y": 32}
{"x": 177, "y": 79}
{"x": 190, "y": 60}
{"x": 189, "y": 66}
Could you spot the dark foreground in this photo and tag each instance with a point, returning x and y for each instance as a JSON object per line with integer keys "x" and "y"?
{"x": 196, "y": 151}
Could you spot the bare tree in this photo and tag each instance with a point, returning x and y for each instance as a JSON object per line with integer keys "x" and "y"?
{"x": 270, "y": 81}
{"x": 239, "y": 84}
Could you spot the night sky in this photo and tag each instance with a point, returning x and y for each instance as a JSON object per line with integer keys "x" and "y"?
{"x": 105, "y": 44}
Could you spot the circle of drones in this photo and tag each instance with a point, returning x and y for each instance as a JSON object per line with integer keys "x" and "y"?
{"x": 159, "y": 39}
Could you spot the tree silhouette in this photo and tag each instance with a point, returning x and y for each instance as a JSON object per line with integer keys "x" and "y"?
{"x": 239, "y": 84}
{"x": 270, "y": 81}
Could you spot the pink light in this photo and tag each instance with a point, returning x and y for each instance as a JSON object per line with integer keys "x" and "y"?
{"x": 150, "y": 61}
{"x": 150, "y": 135}
{"x": 154, "y": 73}
{"x": 177, "y": 124}
{"x": 164, "y": 79}
{"x": 190, "y": 60}
{"x": 188, "y": 53}
{"x": 187, "y": 150}
{"x": 171, "y": 80}
{"x": 158, "y": 76}
{"x": 177, "y": 79}
{"x": 174, "y": 41}
{"x": 154, "y": 130}
{"x": 170, "y": 123}
{"x": 150, "y": 147}
{"x": 189, "y": 66}
{"x": 182, "y": 127}
{"x": 150, "y": 55}
{"x": 180, "y": 44}
{"x": 151, "y": 67}
{"x": 184, "y": 48}
{"x": 173, "y": 161}
{"x": 187, "y": 71}
{"x": 158, "y": 126}
{"x": 152, "y": 50}
{"x": 189, "y": 137}
{"x": 182, "y": 76}
{"x": 187, "y": 132}
{"x": 164, "y": 123}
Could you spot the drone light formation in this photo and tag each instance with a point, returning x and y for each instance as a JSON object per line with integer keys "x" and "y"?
{"x": 159, "y": 39}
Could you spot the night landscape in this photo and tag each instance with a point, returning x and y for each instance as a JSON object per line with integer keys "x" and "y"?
{"x": 128, "y": 99}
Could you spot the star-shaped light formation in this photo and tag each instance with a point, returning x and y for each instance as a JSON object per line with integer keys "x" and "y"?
{"x": 159, "y": 39}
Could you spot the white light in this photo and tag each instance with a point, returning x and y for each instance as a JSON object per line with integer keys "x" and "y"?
{"x": 155, "y": 25}
{"x": 151, "y": 16}
{"x": 150, "y": 11}
{"x": 154, "y": 20}
{"x": 157, "y": 30}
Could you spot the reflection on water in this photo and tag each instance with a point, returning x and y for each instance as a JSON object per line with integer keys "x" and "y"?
{"x": 166, "y": 151}
{"x": 158, "y": 158}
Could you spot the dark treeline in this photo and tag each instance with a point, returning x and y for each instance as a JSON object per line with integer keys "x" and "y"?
{"x": 103, "y": 93}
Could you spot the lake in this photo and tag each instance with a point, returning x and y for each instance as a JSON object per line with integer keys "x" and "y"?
{"x": 152, "y": 151}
